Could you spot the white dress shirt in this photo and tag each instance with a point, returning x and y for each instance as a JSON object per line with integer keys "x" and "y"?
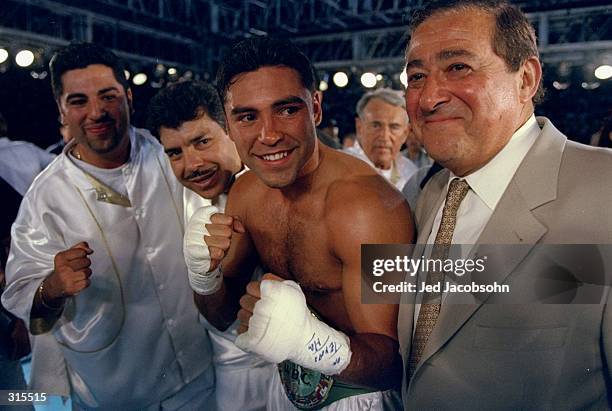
{"x": 398, "y": 174}
{"x": 487, "y": 186}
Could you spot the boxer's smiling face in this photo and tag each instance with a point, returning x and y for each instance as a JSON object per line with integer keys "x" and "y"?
{"x": 272, "y": 119}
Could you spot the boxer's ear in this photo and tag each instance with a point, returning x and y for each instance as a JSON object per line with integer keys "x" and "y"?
{"x": 317, "y": 110}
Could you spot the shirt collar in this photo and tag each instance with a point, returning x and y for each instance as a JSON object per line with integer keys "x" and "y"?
{"x": 490, "y": 181}
{"x": 78, "y": 175}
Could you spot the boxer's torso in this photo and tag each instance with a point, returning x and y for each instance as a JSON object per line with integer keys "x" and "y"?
{"x": 295, "y": 237}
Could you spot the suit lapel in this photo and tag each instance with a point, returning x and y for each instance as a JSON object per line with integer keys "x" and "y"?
{"x": 512, "y": 222}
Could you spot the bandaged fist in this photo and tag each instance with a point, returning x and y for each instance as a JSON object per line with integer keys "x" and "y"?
{"x": 207, "y": 239}
{"x": 276, "y": 324}
{"x": 71, "y": 273}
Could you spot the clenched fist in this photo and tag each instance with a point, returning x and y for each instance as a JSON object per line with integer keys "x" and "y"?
{"x": 71, "y": 273}
{"x": 207, "y": 239}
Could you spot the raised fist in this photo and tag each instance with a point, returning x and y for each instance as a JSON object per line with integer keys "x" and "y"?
{"x": 207, "y": 239}
{"x": 71, "y": 273}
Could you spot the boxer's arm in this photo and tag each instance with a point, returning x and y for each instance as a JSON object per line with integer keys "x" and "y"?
{"x": 379, "y": 217}
{"x": 237, "y": 265}
{"x": 221, "y": 307}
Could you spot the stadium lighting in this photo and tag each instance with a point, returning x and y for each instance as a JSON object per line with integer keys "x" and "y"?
{"x": 24, "y": 58}
{"x": 139, "y": 79}
{"x": 3, "y": 55}
{"x": 340, "y": 79}
{"x": 404, "y": 78}
{"x": 603, "y": 72}
{"x": 368, "y": 79}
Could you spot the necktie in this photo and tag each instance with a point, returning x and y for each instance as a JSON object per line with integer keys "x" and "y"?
{"x": 432, "y": 301}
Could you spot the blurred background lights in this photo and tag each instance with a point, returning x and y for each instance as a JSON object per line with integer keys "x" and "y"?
{"x": 3, "y": 55}
{"x": 340, "y": 79}
{"x": 590, "y": 85}
{"x": 559, "y": 85}
{"x": 323, "y": 86}
{"x": 603, "y": 72}
{"x": 404, "y": 78}
{"x": 139, "y": 79}
{"x": 24, "y": 58}
{"x": 368, "y": 79}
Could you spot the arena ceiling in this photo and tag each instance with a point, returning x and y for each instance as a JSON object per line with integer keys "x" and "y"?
{"x": 336, "y": 34}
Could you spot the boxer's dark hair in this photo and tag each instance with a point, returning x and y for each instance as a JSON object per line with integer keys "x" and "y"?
{"x": 256, "y": 52}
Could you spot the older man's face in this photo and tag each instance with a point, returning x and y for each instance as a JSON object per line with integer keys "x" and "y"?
{"x": 381, "y": 130}
{"x": 464, "y": 103}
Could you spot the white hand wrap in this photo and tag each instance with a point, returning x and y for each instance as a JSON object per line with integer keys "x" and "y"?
{"x": 197, "y": 256}
{"x": 283, "y": 328}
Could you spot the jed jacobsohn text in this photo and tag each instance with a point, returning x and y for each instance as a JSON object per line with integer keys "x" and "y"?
{"x": 446, "y": 287}
{"x": 410, "y": 266}
{"x": 459, "y": 266}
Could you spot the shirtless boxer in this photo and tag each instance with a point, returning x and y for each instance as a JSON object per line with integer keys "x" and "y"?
{"x": 302, "y": 212}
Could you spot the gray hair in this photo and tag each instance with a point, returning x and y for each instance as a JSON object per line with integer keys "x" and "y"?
{"x": 389, "y": 96}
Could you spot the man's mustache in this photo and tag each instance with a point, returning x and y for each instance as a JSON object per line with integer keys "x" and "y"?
{"x": 199, "y": 173}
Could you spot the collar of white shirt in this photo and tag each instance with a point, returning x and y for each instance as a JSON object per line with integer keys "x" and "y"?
{"x": 490, "y": 181}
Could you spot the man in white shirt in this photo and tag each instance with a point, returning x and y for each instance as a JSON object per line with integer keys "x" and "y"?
{"x": 474, "y": 77}
{"x": 382, "y": 127}
{"x": 188, "y": 119}
{"x": 96, "y": 264}
{"x": 20, "y": 161}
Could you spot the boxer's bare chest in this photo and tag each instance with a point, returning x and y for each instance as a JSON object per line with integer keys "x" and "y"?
{"x": 292, "y": 240}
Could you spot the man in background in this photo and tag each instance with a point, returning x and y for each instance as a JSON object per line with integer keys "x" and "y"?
{"x": 20, "y": 161}
{"x": 382, "y": 127}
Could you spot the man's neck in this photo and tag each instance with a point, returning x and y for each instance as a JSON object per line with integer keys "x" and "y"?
{"x": 306, "y": 178}
{"x": 113, "y": 159}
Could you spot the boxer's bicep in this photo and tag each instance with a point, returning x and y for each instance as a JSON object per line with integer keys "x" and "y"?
{"x": 373, "y": 216}
{"x": 365, "y": 318}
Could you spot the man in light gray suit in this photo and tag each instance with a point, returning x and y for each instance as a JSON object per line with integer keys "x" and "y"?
{"x": 509, "y": 178}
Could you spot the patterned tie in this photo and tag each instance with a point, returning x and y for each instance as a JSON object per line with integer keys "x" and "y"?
{"x": 432, "y": 301}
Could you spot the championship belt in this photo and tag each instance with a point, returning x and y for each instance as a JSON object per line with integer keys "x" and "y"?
{"x": 306, "y": 389}
{"x": 312, "y": 390}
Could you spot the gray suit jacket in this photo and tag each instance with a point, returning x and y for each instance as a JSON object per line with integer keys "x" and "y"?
{"x": 523, "y": 356}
